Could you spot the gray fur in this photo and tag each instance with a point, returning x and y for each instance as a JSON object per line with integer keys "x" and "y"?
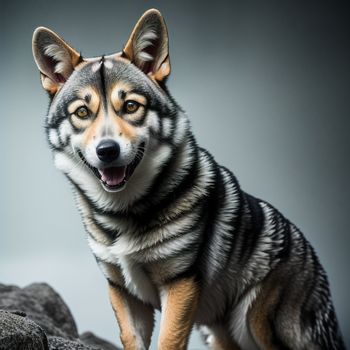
{"x": 183, "y": 214}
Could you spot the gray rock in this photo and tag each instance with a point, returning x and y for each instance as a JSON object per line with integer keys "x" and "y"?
{"x": 43, "y": 306}
{"x": 91, "y": 339}
{"x": 17, "y": 332}
{"x": 36, "y": 318}
{"x": 57, "y": 343}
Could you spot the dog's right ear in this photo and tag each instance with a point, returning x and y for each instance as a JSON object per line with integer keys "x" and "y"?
{"x": 54, "y": 57}
{"x": 148, "y": 46}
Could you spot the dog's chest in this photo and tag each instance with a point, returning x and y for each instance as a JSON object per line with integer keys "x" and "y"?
{"x": 137, "y": 279}
{"x": 143, "y": 263}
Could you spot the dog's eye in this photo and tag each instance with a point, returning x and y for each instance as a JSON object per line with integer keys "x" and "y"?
{"x": 131, "y": 106}
{"x": 82, "y": 112}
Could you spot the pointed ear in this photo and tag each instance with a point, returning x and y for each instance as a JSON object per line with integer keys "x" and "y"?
{"x": 147, "y": 46}
{"x": 54, "y": 57}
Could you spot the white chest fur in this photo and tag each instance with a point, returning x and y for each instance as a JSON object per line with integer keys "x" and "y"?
{"x": 136, "y": 279}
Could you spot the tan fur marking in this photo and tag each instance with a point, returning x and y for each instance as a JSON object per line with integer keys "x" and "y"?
{"x": 92, "y": 105}
{"x": 122, "y": 126}
{"x": 125, "y": 128}
{"x": 79, "y": 122}
{"x": 51, "y": 86}
{"x": 258, "y": 315}
{"x": 91, "y": 131}
{"x": 136, "y": 97}
{"x": 81, "y": 65}
{"x": 48, "y": 84}
{"x": 94, "y": 102}
{"x": 162, "y": 72}
{"x": 178, "y": 314}
{"x": 75, "y": 55}
{"x": 116, "y": 101}
{"x": 121, "y": 311}
{"x": 74, "y": 105}
{"x": 223, "y": 342}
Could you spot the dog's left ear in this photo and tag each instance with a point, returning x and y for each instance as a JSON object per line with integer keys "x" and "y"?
{"x": 54, "y": 57}
{"x": 147, "y": 46}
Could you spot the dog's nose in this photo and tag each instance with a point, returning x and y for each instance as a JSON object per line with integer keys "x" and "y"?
{"x": 108, "y": 150}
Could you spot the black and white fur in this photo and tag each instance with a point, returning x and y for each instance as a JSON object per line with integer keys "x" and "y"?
{"x": 181, "y": 213}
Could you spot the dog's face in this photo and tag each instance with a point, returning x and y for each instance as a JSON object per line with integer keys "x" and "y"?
{"x": 105, "y": 112}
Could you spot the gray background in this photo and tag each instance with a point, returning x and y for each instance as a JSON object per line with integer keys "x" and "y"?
{"x": 266, "y": 86}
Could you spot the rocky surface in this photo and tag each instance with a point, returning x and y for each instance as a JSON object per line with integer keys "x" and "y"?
{"x": 36, "y": 318}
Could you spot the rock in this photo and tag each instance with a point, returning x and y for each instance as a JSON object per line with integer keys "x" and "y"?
{"x": 18, "y": 332}
{"x": 91, "y": 339}
{"x": 57, "y": 343}
{"x": 42, "y": 305}
{"x": 36, "y": 317}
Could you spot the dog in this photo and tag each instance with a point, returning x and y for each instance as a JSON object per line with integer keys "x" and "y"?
{"x": 170, "y": 228}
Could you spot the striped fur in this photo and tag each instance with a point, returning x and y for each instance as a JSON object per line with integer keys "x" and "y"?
{"x": 181, "y": 216}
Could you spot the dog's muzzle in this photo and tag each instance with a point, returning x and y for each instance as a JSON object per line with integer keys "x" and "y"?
{"x": 113, "y": 178}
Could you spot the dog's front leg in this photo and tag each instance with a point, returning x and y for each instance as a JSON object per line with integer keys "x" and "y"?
{"x": 135, "y": 319}
{"x": 179, "y": 306}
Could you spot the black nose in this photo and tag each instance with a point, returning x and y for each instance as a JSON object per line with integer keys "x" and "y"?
{"x": 108, "y": 150}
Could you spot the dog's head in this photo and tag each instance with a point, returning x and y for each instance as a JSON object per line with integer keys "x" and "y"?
{"x": 107, "y": 113}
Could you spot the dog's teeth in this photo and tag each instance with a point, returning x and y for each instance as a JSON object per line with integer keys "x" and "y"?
{"x": 104, "y": 176}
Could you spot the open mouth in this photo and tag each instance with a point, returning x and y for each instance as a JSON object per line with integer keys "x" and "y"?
{"x": 114, "y": 178}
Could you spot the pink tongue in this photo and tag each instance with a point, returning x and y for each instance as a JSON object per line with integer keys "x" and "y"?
{"x": 112, "y": 176}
